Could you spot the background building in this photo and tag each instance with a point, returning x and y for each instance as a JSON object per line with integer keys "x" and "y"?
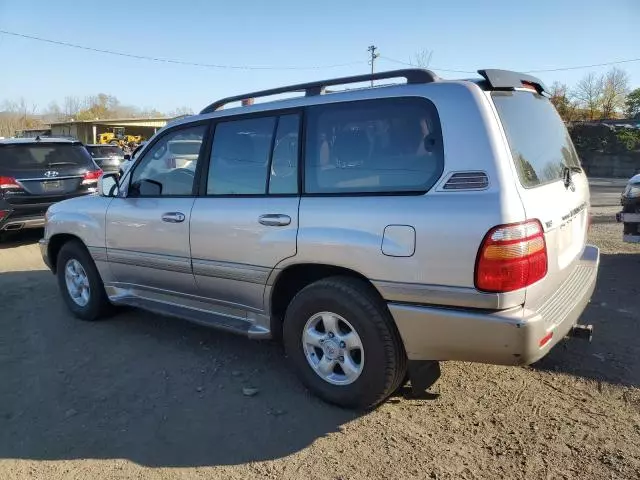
{"x": 87, "y": 131}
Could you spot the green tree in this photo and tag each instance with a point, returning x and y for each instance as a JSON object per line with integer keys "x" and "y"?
{"x": 633, "y": 104}
{"x": 615, "y": 88}
{"x": 562, "y": 101}
{"x": 589, "y": 93}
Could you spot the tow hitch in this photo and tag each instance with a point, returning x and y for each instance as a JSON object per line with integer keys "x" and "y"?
{"x": 584, "y": 332}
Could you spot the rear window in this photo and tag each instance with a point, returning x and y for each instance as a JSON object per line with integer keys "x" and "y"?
{"x": 43, "y": 156}
{"x": 539, "y": 141}
{"x": 373, "y": 146}
{"x": 105, "y": 152}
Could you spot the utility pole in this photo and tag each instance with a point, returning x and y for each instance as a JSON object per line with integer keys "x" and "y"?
{"x": 372, "y": 49}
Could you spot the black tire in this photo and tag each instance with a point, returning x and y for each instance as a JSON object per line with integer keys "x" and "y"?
{"x": 98, "y": 305}
{"x": 385, "y": 361}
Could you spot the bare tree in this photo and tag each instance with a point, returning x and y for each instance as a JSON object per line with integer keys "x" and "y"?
{"x": 589, "y": 93}
{"x": 71, "y": 107}
{"x": 16, "y": 116}
{"x": 614, "y": 93}
{"x": 53, "y": 113}
{"x": 180, "y": 112}
{"x": 422, "y": 58}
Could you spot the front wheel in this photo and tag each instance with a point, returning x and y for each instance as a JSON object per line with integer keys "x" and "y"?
{"x": 80, "y": 283}
{"x": 343, "y": 343}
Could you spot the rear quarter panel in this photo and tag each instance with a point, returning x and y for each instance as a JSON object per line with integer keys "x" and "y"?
{"x": 348, "y": 230}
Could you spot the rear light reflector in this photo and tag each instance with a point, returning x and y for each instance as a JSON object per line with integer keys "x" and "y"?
{"x": 91, "y": 177}
{"x": 544, "y": 340}
{"x": 511, "y": 257}
{"x": 7, "y": 183}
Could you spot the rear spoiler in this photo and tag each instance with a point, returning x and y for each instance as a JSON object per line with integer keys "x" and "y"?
{"x": 508, "y": 80}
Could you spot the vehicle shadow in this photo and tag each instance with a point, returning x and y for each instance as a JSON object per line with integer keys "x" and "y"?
{"x": 614, "y": 354}
{"x": 20, "y": 238}
{"x": 157, "y": 391}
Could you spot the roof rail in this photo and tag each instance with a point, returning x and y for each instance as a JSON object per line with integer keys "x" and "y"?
{"x": 508, "y": 80}
{"x": 412, "y": 75}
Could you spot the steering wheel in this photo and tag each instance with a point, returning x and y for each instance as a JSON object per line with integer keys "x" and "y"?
{"x": 182, "y": 171}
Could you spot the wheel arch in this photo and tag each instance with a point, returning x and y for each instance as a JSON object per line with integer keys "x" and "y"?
{"x": 292, "y": 279}
{"x": 56, "y": 242}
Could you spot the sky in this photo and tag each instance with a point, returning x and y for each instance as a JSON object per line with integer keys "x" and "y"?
{"x": 310, "y": 36}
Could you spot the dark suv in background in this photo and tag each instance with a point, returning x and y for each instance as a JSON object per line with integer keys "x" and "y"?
{"x": 108, "y": 157}
{"x": 37, "y": 172}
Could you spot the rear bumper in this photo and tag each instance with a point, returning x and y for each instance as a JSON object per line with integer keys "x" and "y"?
{"x": 17, "y": 222}
{"x": 507, "y": 337}
{"x": 631, "y": 226}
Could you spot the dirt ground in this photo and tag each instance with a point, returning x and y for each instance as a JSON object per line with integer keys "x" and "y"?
{"x": 141, "y": 396}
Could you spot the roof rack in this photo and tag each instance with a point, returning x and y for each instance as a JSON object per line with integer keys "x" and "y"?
{"x": 412, "y": 75}
{"x": 508, "y": 80}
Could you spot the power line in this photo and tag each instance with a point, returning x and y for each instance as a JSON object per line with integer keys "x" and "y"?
{"x": 265, "y": 67}
{"x": 173, "y": 61}
{"x": 393, "y": 60}
{"x": 585, "y": 66}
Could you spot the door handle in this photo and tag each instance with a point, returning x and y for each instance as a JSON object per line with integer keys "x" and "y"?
{"x": 173, "y": 217}
{"x": 274, "y": 220}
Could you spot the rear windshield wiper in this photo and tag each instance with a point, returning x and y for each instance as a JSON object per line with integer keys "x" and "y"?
{"x": 566, "y": 174}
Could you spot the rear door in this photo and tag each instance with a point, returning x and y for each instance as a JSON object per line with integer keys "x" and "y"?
{"x": 553, "y": 187}
{"x": 247, "y": 220}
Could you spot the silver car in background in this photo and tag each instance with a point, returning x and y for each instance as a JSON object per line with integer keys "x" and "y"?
{"x": 375, "y": 231}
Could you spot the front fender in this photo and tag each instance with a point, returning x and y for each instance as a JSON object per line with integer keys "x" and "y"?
{"x": 82, "y": 217}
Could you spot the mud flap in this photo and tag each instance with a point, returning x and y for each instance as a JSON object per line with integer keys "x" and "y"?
{"x": 423, "y": 374}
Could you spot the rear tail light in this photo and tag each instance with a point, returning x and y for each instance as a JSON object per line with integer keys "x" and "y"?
{"x": 91, "y": 177}
{"x": 511, "y": 257}
{"x": 9, "y": 183}
{"x": 4, "y": 214}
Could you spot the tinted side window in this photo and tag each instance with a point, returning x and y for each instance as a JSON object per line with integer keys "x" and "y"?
{"x": 284, "y": 160}
{"x": 387, "y": 145}
{"x": 240, "y": 157}
{"x": 168, "y": 168}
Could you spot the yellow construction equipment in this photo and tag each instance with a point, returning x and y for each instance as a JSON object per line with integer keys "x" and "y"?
{"x": 117, "y": 137}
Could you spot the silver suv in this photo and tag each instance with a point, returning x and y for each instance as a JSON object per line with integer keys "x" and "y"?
{"x": 376, "y": 231}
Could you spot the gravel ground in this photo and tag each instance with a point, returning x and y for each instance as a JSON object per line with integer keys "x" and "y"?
{"x": 141, "y": 396}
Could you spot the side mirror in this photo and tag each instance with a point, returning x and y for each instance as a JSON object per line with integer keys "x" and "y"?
{"x": 108, "y": 185}
{"x": 127, "y": 157}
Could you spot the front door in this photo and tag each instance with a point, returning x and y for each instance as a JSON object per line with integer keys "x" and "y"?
{"x": 247, "y": 221}
{"x": 147, "y": 229}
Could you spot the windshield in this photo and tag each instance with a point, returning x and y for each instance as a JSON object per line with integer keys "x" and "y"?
{"x": 105, "y": 151}
{"x": 43, "y": 156}
{"x": 539, "y": 141}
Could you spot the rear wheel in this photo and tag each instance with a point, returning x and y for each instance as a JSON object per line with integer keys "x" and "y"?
{"x": 80, "y": 282}
{"x": 343, "y": 343}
